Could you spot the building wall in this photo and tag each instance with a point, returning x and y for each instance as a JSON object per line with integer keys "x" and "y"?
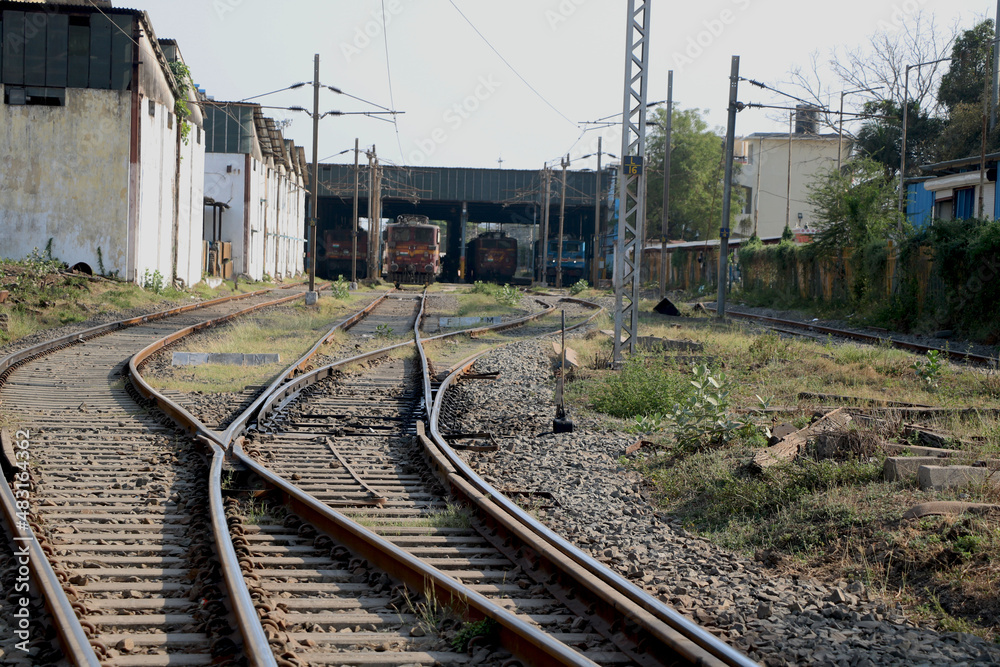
{"x": 191, "y": 196}
{"x": 65, "y": 175}
{"x": 811, "y": 157}
{"x": 225, "y": 181}
{"x": 261, "y": 218}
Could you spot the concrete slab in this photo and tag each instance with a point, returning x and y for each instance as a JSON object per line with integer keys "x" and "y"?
{"x": 467, "y": 322}
{"x": 898, "y": 468}
{"x": 228, "y": 359}
{"x": 938, "y": 478}
{"x": 572, "y": 359}
{"x": 312, "y": 298}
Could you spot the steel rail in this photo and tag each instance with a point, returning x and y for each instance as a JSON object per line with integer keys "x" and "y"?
{"x": 72, "y": 637}
{"x": 867, "y": 338}
{"x": 537, "y": 647}
{"x": 698, "y": 645}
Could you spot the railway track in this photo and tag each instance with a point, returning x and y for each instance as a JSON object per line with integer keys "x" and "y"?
{"x": 808, "y": 329}
{"x": 116, "y": 499}
{"x": 339, "y": 448}
{"x": 370, "y": 562}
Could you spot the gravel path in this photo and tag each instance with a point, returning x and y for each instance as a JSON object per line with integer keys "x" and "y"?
{"x": 776, "y": 620}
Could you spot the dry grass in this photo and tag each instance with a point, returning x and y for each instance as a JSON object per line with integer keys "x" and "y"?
{"x": 833, "y": 518}
{"x": 289, "y": 332}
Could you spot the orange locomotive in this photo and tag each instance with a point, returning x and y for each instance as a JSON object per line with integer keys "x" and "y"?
{"x": 412, "y": 251}
{"x": 492, "y": 256}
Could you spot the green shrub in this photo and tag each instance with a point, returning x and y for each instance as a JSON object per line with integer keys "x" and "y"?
{"x": 644, "y": 387}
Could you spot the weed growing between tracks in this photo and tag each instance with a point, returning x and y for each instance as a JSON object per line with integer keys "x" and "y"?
{"x": 828, "y": 514}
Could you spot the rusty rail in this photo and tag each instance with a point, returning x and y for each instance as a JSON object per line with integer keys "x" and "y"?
{"x": 675, "y": 637}
{"x": 867, "y": 338}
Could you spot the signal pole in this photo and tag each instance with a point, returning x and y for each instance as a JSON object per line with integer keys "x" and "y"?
{"x": 562, "y": 221}
{"x": 545, "y": 225}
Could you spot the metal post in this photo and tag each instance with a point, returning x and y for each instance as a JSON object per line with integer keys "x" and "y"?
{"x": 788, "y": 185}
{"x": 902, "y": 148}
{"x": 632, "y": 180}
{"x": 562, "y": 223}
{"x": 315, "y": 186}
{"x": 665, "y": 220}
{"x": 996, "y": 72}
{"x": 734, "y": 82}
{"x": 596, "y": 253}
{"x": 756, "y": 192}
{"x": 545, "y": 226}
{"x": 372, "y": 240}
{"x": 465, "y": 223}
{"x": 354, "y": 217}
{"x": 840, "y": 141}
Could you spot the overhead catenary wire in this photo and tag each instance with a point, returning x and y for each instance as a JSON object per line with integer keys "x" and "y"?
{"x": 509, "y": 66}
{"x": 388, "y": 73}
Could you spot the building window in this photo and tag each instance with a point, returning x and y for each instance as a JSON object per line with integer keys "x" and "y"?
{"x": 964, "y": 203}
{"x": 747, "y": 200}
{"x": 43, "y": 97}
{"x": 170, "y": 121}
{"x": 152, "y": 108}
{"x": 945, "y": 209}
{"x": 198, "y": 135}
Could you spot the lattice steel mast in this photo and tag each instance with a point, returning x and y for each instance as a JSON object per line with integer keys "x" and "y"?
{"x": 632, "y": 180}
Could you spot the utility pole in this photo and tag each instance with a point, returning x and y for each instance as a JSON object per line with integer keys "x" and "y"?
{"x": 562, "y": 223}
{"x": 734, "y": 83}
{"x": 377, "y": 199}
{"x": 354, "y": 218}
{"x": 788, "y": 186}
{"x": 632, "y": 180}
{"x": 313, "y": 296}
{"x": 665, "y": 221}
{"x": 996, "y": 72}
{"x": 465, "y": 224}
{"x": 595, "y": 253}
{"x": 372, "y": 271}
{"x": 756, "y": 192}
{"x": 547, "y": 178}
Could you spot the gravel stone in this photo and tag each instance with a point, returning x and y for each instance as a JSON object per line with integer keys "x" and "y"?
{"x": 601, "y": 506}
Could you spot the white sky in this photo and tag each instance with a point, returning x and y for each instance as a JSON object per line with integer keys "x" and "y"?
{"x": 465, "y": 108}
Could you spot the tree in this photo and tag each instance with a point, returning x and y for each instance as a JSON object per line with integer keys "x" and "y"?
{"x": 880, "y": 137}
{"x": 696, "y": 177}
{"x": 963, "y": 92}
{"x": 854, "y": 207}
{"x": 969, "y": 67}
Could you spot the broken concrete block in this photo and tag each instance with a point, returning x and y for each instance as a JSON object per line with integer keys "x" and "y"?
{"x": 898, "y": 468}
{"x": 3, "y": 295}
{"x": 938, "y": 478}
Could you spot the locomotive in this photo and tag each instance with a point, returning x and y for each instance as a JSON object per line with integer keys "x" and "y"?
{"x": 412, "y": 250}
{"x": 574, "y": 260}
{"x": 336, "y": 253}
{"x": 492, "y": 256}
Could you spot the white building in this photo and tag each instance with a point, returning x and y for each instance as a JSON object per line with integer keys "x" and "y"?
{"x": 260, "y": 178}
{"x": 91, "y": 150}
{"x": 765, "y": 177}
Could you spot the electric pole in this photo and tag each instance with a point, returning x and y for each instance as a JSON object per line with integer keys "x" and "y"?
{"x": 313, "y": 296}
{"x": 546, "y": 194}
{"x": 354, "y": 218}
{"x": 632, "y": 180}
{"x": 562, "y": 222}
{"x": 788, "y": 186}
{"x": 595, "y": 254}
{"x": 734, "y": 83}
{"x": 665, "y": 220}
